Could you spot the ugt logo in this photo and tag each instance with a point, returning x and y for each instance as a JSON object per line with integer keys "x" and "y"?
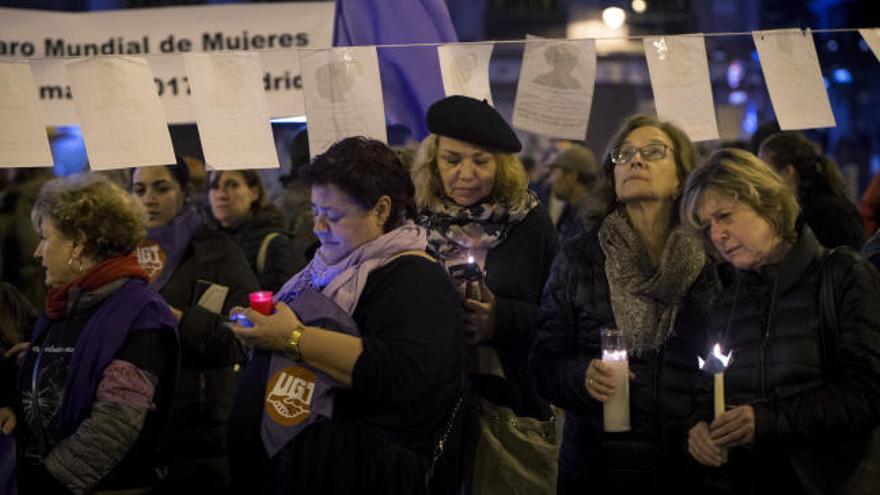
{"x": 289, "y": 397}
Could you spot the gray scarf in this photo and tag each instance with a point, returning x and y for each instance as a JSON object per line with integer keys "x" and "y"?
{"x": 645, "y": 299}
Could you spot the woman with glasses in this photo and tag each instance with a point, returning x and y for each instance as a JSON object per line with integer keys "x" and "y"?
{"x": 635, "y": 269}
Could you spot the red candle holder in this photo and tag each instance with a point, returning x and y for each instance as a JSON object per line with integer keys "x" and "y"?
{"x": 261, "y": 302}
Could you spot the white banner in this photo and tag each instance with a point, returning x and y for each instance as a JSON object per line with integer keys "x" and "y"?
{"x": 343, "y": 94}
{"x": 231, "y": 110}
{"x": 23, "y": 140}
{"x": 555, "y": 89}
{"x": 465, "y": 70}
{"x": 872, "y": 38}
{"x": 794, "y": 79}
{"x": 123, "y": 124}
{"x": 680, "y": 79}
{"x": 161, "y": 34}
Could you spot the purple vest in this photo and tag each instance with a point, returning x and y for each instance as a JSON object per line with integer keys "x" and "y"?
{"x": 130, "y": 308}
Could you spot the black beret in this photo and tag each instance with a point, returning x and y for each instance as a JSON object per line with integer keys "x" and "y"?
{"x": 472, "y": 121}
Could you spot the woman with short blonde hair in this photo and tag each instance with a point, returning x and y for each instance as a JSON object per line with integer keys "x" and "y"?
{"x": 743, "y": 177}
{"x": 803, "y": 325}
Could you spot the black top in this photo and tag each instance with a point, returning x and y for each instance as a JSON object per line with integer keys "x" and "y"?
{"x": 770, "y": 320}
{"x": 404, "y": 386}
{"x": 576, "y": 305}
{"x": 833, "y": 220}
{"x": 516, "y": 271}
{"x": 194, "y": 444}
{"x": 281, "y": 260}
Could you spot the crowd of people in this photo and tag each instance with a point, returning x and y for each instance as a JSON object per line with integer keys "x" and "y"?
{"x": 436, "y": 323}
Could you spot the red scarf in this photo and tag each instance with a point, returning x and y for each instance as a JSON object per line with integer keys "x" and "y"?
{"x": 97, "y": 276}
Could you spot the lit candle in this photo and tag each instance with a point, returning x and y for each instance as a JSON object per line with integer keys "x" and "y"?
{"x": 616, "y": 408}
{"x": 261, "y": 302}
{"x": 716, "y": 364}
{"x": 473, "y": 288}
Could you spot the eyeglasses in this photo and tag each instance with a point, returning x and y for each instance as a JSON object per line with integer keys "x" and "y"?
{"x": 626, "y": 154}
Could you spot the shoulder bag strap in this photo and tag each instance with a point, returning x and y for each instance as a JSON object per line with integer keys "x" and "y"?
{"x": 829, "y": 330}
{"x": 264, "y": 248}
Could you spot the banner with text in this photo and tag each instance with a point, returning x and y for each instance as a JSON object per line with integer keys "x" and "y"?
{"x": 161, "y": 34}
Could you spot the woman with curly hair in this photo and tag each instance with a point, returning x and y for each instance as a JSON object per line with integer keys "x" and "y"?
{"x": 95, "y": 384}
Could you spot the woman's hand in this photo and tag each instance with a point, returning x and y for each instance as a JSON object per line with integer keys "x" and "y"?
{"x": 734, "y": 428}
{"x": 599, "y": 380}
{"x": 702, "y": 448}
{"x": 479, "y": 318}
{"x": 269, "y": 332}
{"x": 7, "y": 420}
{"x": 17, "y": 351}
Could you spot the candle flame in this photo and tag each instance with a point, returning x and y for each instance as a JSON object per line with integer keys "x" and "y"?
{"x": 716, "y": 351}
{"x": 614, "y": 355}
{"x": 470, "y": 259}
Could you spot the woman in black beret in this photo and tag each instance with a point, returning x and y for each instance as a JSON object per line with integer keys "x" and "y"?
{"x": 495, "y": 239}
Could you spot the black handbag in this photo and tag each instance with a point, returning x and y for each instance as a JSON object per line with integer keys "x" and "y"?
{"x": 850, "y": 465}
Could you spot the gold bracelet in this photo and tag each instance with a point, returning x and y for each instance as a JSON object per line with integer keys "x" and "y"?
{"x": 292, "y": 346}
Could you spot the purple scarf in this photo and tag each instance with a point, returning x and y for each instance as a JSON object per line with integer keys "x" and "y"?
{"x": 162, "y": 251}
{"x": 298, "y": 395}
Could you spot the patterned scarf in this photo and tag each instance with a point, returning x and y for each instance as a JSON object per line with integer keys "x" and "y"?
{"x": 454, "y": 230}
{"x": 645, "y": 299}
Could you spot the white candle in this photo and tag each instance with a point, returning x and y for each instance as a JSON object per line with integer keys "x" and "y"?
{"x": 616, "y": 408}
{"x": 720, "y": 363}
{"x": 719, "y": 405}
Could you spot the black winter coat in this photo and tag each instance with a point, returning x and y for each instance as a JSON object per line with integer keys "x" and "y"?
{"x": 516, "y": 270}
{"x": 576, "y": 305}
{"x": 833, "y": 220}
{"x": 194, "y": 444}
{"x": 282, "y": 261}
{"x": 770, "y": 320}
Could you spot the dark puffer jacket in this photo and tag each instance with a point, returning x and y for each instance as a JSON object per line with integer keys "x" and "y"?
{"x": 282, "y": 261}
{"x": 576, "y": 306}
{"x": 194, "y": 444}
{"x": 833, "y": 219}
{"x": 770, "y": 319}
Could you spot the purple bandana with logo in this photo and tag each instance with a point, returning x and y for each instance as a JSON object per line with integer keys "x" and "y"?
{"x": 298, "y": 395}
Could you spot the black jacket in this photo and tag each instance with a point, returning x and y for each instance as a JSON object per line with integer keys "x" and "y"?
{"x": 516, "y": 270}
{"x": 194, "y": 444}
{"x": 282, "y": 262}
{"x": 576, "y": 305}
{"x": 833, "y": 220}
{"x": 770, "y": 320}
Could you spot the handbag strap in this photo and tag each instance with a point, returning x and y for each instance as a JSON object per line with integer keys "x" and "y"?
{"x": 441, "y": 443}
{"x": 264, "y": 250}
{"x": 829, "y": 330}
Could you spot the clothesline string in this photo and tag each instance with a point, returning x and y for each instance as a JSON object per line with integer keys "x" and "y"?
{"x": 484, "y": 42}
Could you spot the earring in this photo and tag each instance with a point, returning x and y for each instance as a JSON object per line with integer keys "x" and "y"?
{"x": 79, "y": 266}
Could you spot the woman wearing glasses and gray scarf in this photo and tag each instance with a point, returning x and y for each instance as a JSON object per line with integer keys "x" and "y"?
{"x": 635, "y": 269}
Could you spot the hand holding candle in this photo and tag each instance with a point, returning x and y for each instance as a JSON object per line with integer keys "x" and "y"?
{"x": 716, "y": 363}
{"x": 616, "y": 408}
